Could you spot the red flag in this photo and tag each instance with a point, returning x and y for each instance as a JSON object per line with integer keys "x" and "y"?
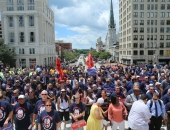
{"x": 58, "y": 67}
{"x": 90, "y": 62}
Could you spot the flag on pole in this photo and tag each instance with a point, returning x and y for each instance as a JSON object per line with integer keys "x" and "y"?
{"x": 90, "y": 62}
{"x": 59, "y": 68}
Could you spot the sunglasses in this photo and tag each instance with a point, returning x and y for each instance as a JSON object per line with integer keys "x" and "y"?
{"x": 155, "y": 99}
{"x": 48, "y": 105}
{"x": 43, "y": 94}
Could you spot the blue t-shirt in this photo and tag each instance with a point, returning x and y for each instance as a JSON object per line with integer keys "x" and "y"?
{"x": 5, "y": 109}
{"x": 167, "y": 108}
{"x": 77, "y": 109}
{"x": 40, "y": 107}
{"x": 14, "y": 99}
{"x": 22, "y": 115}
{"x": 51, "y": 92}
{"x": 48, "y": 120}
{"x": 166, "y": 98}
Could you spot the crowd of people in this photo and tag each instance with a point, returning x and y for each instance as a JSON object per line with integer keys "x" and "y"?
{"x": 40, "y": 99}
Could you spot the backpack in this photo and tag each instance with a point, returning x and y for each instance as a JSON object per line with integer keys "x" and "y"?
{"x": 151, "y": 103}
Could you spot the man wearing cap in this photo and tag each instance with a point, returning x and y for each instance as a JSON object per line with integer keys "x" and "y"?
{"x": 77, "y": 109}
{"x": 5, "y": 111}
{"x": 22, "y": 114}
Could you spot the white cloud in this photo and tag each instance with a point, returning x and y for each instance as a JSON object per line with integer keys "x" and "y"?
{"x": 89, "y": 18}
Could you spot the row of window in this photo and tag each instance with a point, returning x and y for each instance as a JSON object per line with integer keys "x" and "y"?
{"x": 151, "y": 14}
{"x": 151, "y": 7}
{"x": 20, "y": 21}
{"x": 22, "y": 37}
{"x": 151, "y": 45}
{"x": 151, "y": 30}
{"x": 20, "y": 5}
{"x": 151, "y": 22}
{"x": 31, "y": 51}
{"x": 150, "y": 37}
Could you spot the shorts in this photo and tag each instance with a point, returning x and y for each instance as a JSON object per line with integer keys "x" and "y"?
{"x": 65, "y": 115}
{"x": 105, "y": 122}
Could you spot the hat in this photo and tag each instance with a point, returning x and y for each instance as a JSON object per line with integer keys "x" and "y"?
{"x": 137, "y": 76}
{"x": 157, "y": 83}
{"x": 63, "y": 90}
{"x": 150, "y": 85}
{"x": 100, "y": 100}
{"x": 21, "y": 96}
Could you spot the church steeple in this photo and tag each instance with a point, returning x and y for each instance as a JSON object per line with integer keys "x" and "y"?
{"x": 111, "y": 21}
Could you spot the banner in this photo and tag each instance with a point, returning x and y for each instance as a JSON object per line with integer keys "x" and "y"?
{"x": 91, "y": 72}
{"x": 59, "y": 67}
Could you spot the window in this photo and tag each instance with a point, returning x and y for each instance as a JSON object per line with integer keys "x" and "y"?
{"x": 162, "y": 22}
{"x": 148, "y": 7}
{"x": 161, "y": 52}
{"x": 30, "y": 4}
{"x": 168, "y": 44}
{"x": 167, "y": 52}
{"x": 141, "y": 37}
{"x": 168, "y": 14}
{"x": 152, "y": 14}
{"x": 21, "y": 51}
{"x": 32, "y": 50}
{"x": 11, "y": 21}
{"x": 168, "y": 22}
{"x": 161, "y": 37}
{"x": 162, "y": 0}
{"x": 135, "y": 37}
{"x": 33, "y": 62}
{"x": 155, "y": 22}
{"x": 155, "y": 37}
{"x": 142, "y": 30}
{"x": 135, "y": 52}
{"x": 155, "y": 14}
{"x": 148, "y": 0}
{"x": 148, "y": 22}
{"x": 141, "y": 6}
{"x": 21, "y": 21}
{"x": 162, "y": 6}
{"x": 32, "y": 37}
{"x": 31, "y": 20}
{"x": 156, "y": 6}
{"x": 11, "y": 37}
{"x": 135, "y": 7}
{"x": 161, "y": 30}
{"x": 141, "y": 22}
{"x": 168, "y": 6}
{"x": 148, "y": 14}
{"x": 141, "y": 14}
{"x": 21, "y": 37}
{"x": 135, "y": 14}
{"x": 151, "y": 52}
{"x": 20, "y": 4}
{"x": 155, "y": 30}
{"x": 141, "y": 45}
{"x": 135, "y": 22}
{"x": 152, "y": 6}
{"x": 152, "y": 23}
{"x": 135, "y": 30}
{"x": 10, "y": 5}
{"x": 161, "y": 45}
{"x": 141, "y": 52}
{"x": 162, "y": 14}
{"x": 167, "y": 37}
{"x": 135, "y": 45}
{"x": 148, "y": 30}
{"x": 168, "y": 29}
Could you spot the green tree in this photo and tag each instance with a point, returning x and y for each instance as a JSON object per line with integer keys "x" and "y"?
{"x": 68, "y": 55}
{"x": 104, "y": 55}
{"x": 7, "y": 56}
{"x": 95, "y": 54}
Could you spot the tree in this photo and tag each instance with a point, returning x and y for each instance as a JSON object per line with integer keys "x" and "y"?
{"x": 104, "y": 55}
{"x": 68, "y": 55}
{"x": 7, "y": 56}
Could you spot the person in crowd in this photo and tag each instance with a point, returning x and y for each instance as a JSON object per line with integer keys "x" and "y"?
{"x": 96, "y": 92}
{"x": 51, "y": 92}
{"x": 157, "y": 110}
{"x": 38, "y": 91}
{"x": 77, "y": 90}
{"x": 116, "y": 109}
{"x": 49, "y": 119}
{"x": 166, "y": 97}
{"x": 139, "y": 115}
{"x": 6, "y": 112}
{"x": 104, "y": 109}
{"x": 77, "y": 109}
{"x": 22, "y": 114}
{"x": 89, "y": 100}
{"x": 95, "y": 117}
{"x": 14, "y": 98}
{"x": 31, "y": 98}
{"x": 63, "y": 104}
{"x": 108, "y": 87}
{"x": 165, "y": 82}
{"x": 130, "y": 99}
{"x": 145, "y": 84}
{"x": 40, "y": 106}
{"x": 167, "y": 108}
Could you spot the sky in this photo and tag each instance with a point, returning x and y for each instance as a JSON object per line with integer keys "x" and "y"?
{"x": 82, "y": 22}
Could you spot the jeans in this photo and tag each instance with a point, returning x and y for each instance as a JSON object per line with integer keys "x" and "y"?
{"x": 116, "y": 124}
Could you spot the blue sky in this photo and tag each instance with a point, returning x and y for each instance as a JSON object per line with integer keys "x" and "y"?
{"x": 81, "y": 22}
